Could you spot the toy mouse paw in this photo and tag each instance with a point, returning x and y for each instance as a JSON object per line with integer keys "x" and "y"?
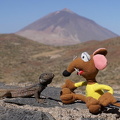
{"x": 67, "y": 96}
{"x": 106, "y": 99}
{"x": 69, "y": 84}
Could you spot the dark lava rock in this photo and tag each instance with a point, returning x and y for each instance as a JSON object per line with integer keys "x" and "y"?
{"x": 52, "y": 95}
{"x": 52, "y": 92}
{"x": 1, "y": 84}
{"x": 32, "y": 101}
{"x": 20, "y": 114}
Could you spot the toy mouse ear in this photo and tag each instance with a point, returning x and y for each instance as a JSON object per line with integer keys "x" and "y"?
{"x": 100, "y": 61}
{"x": 102, "y": 51}
{"x": 99, "y": 58}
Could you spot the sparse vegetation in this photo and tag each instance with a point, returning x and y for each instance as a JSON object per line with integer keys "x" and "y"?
{"x": 22, "y": 60}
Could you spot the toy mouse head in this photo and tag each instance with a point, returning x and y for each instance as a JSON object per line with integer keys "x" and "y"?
{"x": 88, "y": 65}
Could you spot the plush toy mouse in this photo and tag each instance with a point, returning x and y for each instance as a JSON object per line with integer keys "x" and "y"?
{"x": 88, "y": 66}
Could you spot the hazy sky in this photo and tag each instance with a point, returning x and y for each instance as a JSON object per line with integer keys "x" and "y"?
{"x": 16, "y": 14}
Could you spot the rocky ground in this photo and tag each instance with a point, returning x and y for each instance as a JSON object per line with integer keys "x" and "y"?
{"x": 52, "y": 109}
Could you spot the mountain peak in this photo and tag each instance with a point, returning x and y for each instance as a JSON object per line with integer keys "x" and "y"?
{"x": 66, "y": 9}
{"x": 65, "y": 27}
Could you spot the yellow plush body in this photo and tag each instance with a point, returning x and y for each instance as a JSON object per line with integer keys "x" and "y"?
{"x": 94, "y": 90}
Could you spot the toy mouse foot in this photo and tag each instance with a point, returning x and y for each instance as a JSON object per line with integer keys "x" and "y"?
{"x": 93, "y": 105}
{"x": 106, "y": 99}
{"x": 67, "y": 96}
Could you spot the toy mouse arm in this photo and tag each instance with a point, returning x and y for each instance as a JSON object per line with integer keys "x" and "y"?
{"x": 104, "y": 87}
{"x": 79, "y": 84}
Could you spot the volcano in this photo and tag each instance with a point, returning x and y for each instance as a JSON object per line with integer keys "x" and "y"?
{"x": 65, "y": 27}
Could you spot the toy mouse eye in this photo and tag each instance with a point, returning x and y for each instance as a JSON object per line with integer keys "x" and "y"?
{"x": 85, "y": 56}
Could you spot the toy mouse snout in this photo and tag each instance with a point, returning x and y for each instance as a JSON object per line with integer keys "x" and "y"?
{"x": 66, "y": 73}
{"x": 100, "y": 61}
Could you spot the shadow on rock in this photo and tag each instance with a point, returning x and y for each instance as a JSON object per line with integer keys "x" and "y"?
{"x": 113, "y": 110}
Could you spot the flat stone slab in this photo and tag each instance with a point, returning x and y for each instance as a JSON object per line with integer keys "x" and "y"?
{"x": 52, "y": 96}
{"x": 32, "y": 101}
{"x": 52, "y": 92}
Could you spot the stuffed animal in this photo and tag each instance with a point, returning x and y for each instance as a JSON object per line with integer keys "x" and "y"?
{"x": 88, "y": 66}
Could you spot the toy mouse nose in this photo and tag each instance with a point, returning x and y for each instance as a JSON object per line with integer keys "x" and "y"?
{"x": 66, "y": 73}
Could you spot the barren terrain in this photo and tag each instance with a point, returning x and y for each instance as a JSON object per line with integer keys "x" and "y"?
{"x": 23, "y": 60}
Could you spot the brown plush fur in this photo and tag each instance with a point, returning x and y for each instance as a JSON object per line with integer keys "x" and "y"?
{"x": 90, "y": 71}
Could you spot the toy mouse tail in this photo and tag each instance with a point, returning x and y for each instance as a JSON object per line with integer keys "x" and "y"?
{"x": 116, "y": 104}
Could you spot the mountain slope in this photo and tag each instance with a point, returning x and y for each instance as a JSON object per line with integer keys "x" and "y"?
{"x": 23, "y": 60}
{"x": 65, "y": 28}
